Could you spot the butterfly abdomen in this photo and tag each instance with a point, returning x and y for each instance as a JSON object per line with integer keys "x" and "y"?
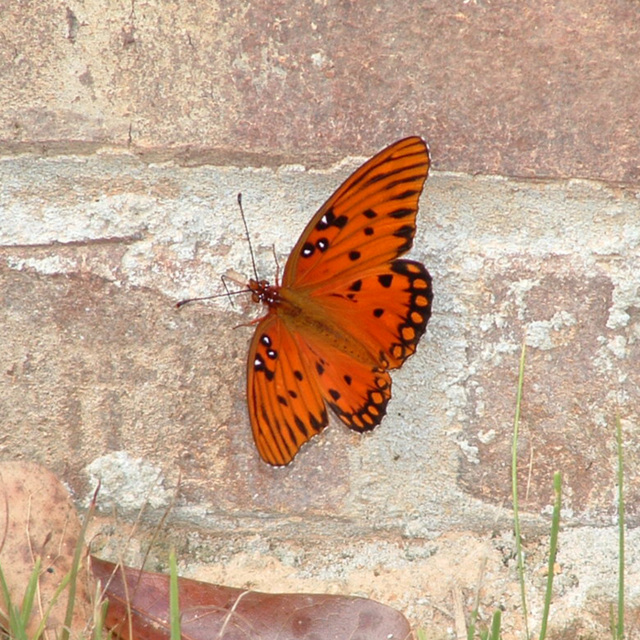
{"x": 309, "y": 320}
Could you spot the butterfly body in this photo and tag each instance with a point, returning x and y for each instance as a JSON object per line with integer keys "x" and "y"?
{"x": 304, "y": 316}
{"x": 347, "y": 311}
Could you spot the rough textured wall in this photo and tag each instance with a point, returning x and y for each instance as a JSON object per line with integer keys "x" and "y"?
{"x": 503, "y": 88}
{"x": 126, "y": 131}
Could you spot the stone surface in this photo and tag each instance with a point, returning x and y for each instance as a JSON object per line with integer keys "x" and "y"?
{"x": 126, "y": 131}
{"x": 549, "y": 89}
{"x": 100, "y": 360}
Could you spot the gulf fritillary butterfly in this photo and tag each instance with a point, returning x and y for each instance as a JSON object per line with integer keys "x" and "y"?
{"x": 346, "y": 312}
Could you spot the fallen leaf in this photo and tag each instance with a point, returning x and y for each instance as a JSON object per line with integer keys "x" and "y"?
{"x": 38, "y": 522}
{"x": 213, "y": 612}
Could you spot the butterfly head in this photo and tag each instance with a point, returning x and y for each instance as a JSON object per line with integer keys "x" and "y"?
{"x": 263, "y": 292}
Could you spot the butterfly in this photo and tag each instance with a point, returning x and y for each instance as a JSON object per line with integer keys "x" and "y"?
{"x": 347, "y": 310}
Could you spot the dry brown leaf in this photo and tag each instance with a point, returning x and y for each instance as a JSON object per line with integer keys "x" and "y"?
{"x": 38, "y": 520}
{"x": 213, "y": 612}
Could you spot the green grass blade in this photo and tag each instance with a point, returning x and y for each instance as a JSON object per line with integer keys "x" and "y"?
{"x": 553, "y": 550}
{"x": 620, "y": 621}
{"x": 514, "y": 489}
{"x": 15, "y": 624}
{"x": 471, "y": 629}
{"x": 54, "y": 598}
{"x": 6, "y": 597}
{"x": 30, "y": 593}
{"x": 17, "y": 629}
{"x": 495, "y": 625}
{"x": 174, "y": 604}
{"x": 612, "y": 623}
{"x": 100, "y": 615}
{"x": 75, "y": 567}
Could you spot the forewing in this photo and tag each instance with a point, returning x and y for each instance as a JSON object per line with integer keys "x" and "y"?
{"x": 368, "y": 221}
{"x": 285, "y": 402}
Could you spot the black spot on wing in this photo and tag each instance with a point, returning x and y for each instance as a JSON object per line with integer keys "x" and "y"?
{"x": 385, "y": 280}
{"x": 409, "y": 193}
{"x": 301, "y": 426}
{"x": 260, "y": 366}
{"x": 274, "y": 425}
{"x": 406, "y": 232}
{"x": 319, "y": 423}
{"x": 388, "y": 174}
{"x": 371, "y": 412}
{"x": 402, "y": 213}
{"x": 413, "y": 325}
{"x": 329, "y": 219}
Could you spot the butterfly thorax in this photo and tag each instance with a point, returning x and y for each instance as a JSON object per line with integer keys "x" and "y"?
{"x": 304, "y": 316}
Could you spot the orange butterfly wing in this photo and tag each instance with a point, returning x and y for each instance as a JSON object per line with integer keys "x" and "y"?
{"x": 369, "y": 220}
{"x": 285, "y": 401}
{"x": 347, "y": 310}
{"x": 291, "y": 376}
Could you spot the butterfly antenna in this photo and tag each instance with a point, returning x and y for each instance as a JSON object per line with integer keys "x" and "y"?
{"x": 228, "y": 294}
{"x": 246, "y": 230}
{"x": 275, "y": 257}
